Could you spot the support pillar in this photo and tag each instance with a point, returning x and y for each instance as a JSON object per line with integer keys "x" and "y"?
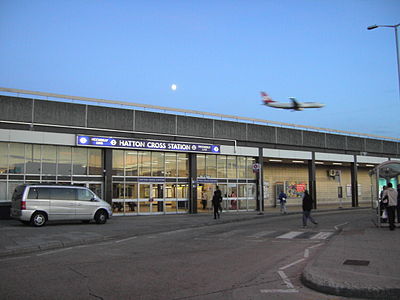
{"x": 107, "y": 173}
{"x": 312, "y": 188}
{"x": 354, "y": 183}
{"x": 260, "y": 181}
{"x": 192, "y": 183}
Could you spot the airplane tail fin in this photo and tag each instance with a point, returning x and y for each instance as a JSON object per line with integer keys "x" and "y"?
{"x": 266, "y": 98}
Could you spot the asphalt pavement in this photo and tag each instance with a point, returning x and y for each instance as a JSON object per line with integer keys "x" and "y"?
{"x": 362, "y": 262}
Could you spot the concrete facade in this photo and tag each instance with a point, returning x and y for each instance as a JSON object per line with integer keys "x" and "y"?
{"x": 37, "y": 121}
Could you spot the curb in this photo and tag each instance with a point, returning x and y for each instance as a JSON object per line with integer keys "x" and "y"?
{"x": 316, "y": 282}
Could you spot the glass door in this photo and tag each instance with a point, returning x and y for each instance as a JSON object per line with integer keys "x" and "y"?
{"x": 151, "y": 198}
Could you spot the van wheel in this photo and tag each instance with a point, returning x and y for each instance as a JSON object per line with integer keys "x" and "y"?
{"x": 100, "y": 217}
{"x": 38, "y": 219}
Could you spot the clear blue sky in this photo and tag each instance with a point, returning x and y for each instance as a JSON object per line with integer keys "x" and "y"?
{"x": 219, "y": 53}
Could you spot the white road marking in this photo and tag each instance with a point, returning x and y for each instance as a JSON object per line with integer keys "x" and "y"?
{"x": 306, "y": 253}
{"x": 290, "y": 235}
{"x": 315, "y": 246}
{"x": 339, "y": 225}
{"x": 286, "y": 280}
{"x": 321, "y": 235}
{"x": 292, "y": 264}
{"x": 127, "y": 239}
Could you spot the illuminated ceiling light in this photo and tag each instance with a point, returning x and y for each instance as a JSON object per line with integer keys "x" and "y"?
{"x": 277, "y": 160}
{"x": 337, "y": 164}
{"x": 298, "y": 161}
{"x": 370, "y": 165}
{"x": 319, "y": 163}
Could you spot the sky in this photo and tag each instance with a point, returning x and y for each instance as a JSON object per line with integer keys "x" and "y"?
{"x": 220, "y": 54}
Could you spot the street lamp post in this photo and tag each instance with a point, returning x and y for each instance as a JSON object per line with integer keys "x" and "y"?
{"x": 397, "y": 46}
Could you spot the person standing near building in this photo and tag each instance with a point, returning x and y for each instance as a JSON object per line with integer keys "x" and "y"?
{"x": 282, "y": 201}
{"x": 216, "y": 202}
{"x": 204, "y": 199}
{"x": 307, "y": 207}
{"x": 391, "y": 195}
{"x": 219, "y": 195}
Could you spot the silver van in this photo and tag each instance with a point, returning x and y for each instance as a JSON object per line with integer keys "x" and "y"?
{"x": 37, "y": 204}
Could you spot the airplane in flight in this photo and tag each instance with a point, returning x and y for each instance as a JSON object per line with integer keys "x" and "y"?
{"x": 295, "y": 105}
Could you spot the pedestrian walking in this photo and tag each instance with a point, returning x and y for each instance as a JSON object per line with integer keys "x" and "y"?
{"x": 219, "y": 194}
{"x": 216, "y": 202}
{"x": 307, "y": 207}
{"x": 391, "y": 195}
{"x": 282, "y": 201}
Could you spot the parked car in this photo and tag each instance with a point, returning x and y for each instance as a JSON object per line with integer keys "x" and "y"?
{"x": 37, "y": 204}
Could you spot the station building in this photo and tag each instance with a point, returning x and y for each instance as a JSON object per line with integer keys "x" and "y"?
{"x": 155, "y": 160}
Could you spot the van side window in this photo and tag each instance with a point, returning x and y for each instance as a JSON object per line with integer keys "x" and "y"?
{"x": 39, "y": 193}
{"x": 85, "y": 195}
{"x": 63, "y": 194}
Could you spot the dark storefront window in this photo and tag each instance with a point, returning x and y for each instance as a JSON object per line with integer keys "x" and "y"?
{"x": 79, "y": 161}
{"x": 95, "y": 162}
{"x": 3, "y": 158}
{"x": 16, "y": 159}
{"x": 49, "y": 162}
{"x": 64, "y": 161}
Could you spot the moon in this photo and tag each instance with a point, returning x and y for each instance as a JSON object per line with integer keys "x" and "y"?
{"x": 174, "y": 87}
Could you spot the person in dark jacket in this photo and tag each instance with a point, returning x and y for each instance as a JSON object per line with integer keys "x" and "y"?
{"x": 307, "y": 207}
{"x": 216, "y": 202}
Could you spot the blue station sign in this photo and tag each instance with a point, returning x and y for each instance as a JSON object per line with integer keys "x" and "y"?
{"x": 110, "y": 142}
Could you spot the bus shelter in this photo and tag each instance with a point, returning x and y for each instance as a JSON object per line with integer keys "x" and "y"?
{"x": 381, "y": 175}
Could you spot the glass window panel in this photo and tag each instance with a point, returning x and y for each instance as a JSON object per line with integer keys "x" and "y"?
{"x": 79, "y": 161}
{"x": 144, "y": 159}
{"x": 64, "y": 160}
{"x": 118, "y": 162}
{"x": 131, "y": 163}
{"x": 157, "y": 164}
{"x": 85, "y": 195}
{"x": 183, "y": 165}
{"x": 118, "y": 197}
{"x": 211, "y": 164}
{"x": 170, "y": 164}
{"x": 95, "y": 162}
{"x": 221, "y": 166}
{"x": 201, "y": 165}
{"x": 3, "y": 158}
{"x": 3, "y": 191}
{"x": 62, "y": 194}
{"x": 182, "y": 191}
{"x": 231, "y": 167}
{"x": 131, "y": 195}
{"x": 17, "y": 158}
{"x": 170, "y": 190}
{"x": 249, "y": 169}
{"x": 241, "y": 167}
{"x": 33, "y": 154}
{"x": 49, "y": 160}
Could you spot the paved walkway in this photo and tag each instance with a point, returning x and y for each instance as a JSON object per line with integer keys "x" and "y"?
{"x": 372, "y": 269}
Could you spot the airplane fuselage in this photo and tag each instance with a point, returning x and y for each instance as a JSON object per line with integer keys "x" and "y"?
{"x": 294, "y": 104}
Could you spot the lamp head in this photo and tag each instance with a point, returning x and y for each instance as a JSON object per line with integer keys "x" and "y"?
{"x": 372, "y": 27}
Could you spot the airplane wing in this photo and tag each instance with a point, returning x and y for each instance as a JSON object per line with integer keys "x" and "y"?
{"x": 295, "y": 104}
